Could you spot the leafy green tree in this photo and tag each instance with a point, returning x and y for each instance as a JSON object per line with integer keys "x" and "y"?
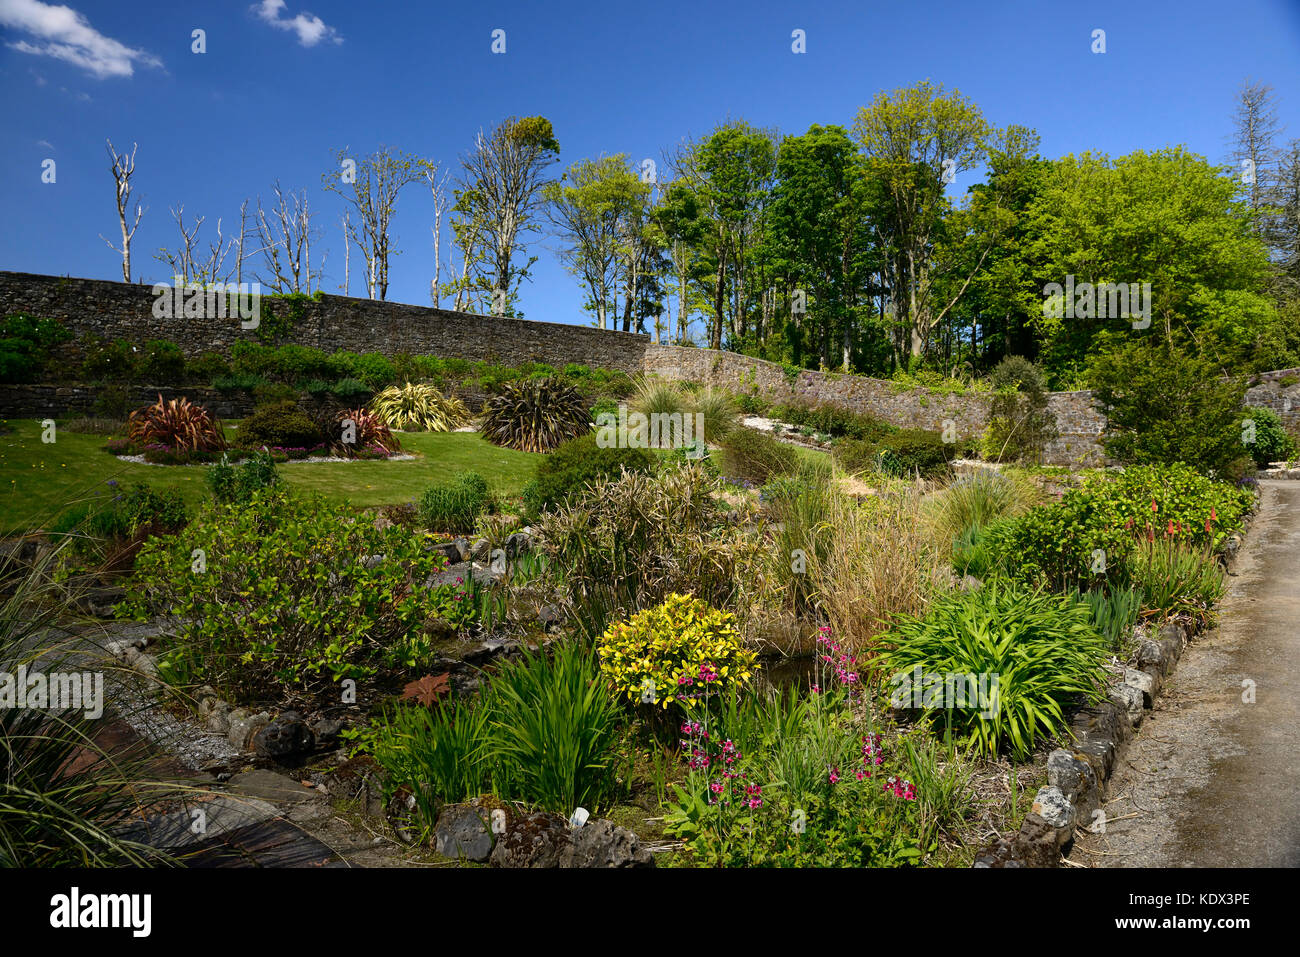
{"x": 916, "y": 139}
{"x": 1020, "y": 423}
{"x": 818, "y": 223}
{"x": 590, "y": 207}
{"x": 1165, "y": 403}
{"x": 730, "y": 175}
{"x": 1167, "y": 218}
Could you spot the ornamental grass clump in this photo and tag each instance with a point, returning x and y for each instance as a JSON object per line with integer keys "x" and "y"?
{"x": 535, "y": 415}
{"x": 419, "y": 407}
{"x": 1032, "y": 655}
{"x": 177, "y": 424}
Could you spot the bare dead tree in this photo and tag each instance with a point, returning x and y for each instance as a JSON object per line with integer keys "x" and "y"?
{"x": 378, "y": 180}
{"x": 284, "y": 238}
{"x": 189, "y": 261}
{"x": 347, "y": 254}
{"x": 243, "y": 236}
{"x": 123, "y": 168}
{"x": 504, "y": 175}
{"x": 438, "y": 187}
{"x": 181, "y": 260}
{"x": 1256, "y": 127}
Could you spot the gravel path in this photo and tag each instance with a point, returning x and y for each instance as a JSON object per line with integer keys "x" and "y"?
{"x": 1211, "y": 780}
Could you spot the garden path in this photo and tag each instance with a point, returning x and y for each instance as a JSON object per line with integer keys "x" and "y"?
{"x": 1212, "y": 777}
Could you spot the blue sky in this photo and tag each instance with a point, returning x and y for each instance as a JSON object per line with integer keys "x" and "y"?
{"x": 285, "y": 83}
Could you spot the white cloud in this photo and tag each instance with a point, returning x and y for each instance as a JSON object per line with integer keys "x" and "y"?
{"x": 310, "y": 28}
{"x": 64, "y": 34}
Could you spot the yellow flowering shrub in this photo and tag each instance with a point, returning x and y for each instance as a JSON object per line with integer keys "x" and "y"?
{"x": 676, "y": 651}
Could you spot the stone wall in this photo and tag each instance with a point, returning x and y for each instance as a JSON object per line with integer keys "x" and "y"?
{"x": 1279, "y": 391}
{"x": 1079, "y": 422}
{"x": 116, "y": 310}
{"x": 60, "y": 401}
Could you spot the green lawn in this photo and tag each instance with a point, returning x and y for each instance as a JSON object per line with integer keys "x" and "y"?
{"x": 38, "y": 480}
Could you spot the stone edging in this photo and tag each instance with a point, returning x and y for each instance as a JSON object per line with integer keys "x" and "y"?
{"x": 1077, "y": 775}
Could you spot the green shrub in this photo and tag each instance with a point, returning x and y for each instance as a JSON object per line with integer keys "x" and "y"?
{"x": 658, "y": 655}
{"x": 93, "y": 527}
{"x": 25, "y": 344}
{"x": 535, "y": 415}
{"x": 915, "y": 451}
{"x": 373, "y": 369}
{"x": 1270, "y": 441}
{"x": 574, "y": 466}
{"x": 206, "y": 367}
{"x": 273, "y": 394}
{"x": 238, "y": 382}
{"x": 238, "y": 483}
{"x": 160, "y": 362}
{"x": 351, "y": 391}
{"x": 282, "y": 425}
{"x": 113, "y": 401}
{"x": 543, "y": 733}
{"x": 454, "y": 506}
{"x": 855, "y": 456}
{"x": 1090, "y": 534}
{"x": 1043, "y": 650}
{"x": 834, "y": 421}
{"x": 108, "y": 361}
{"x": 1020, "y": 424}
{"x": 293, "y": 589}
{"x": 1165, "y": 404}
{"x": 755, "y": 457}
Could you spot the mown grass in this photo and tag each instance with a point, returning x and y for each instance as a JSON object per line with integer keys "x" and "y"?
{"x": 39, "y": 480}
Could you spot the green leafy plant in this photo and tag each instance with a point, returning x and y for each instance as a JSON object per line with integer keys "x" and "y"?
{"x": 1043, "y": 650}
{"x": 1020, "y": 424}
{"x": 25, "y": 344}
{"x": 755, "y": 457}
{"x": 436, "y": 754}
{"x": 1114, "y": 611}
{"x": 1177, "y": 578}
{"x": 534, "y": 415}
{"x": 288, "y": 590}
{"x": 454, "y": 506}
{"x": 553, "y": 727}
{"x": 282, "y": 425}
{"x": 1164, "y": 403}
{"x": 238, "y": 483}
{"x": 65, "y": 799}
{"x": 656, "y": 657}
{"x": 573, "y": 466}
{"x": 1270, "y": 442}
